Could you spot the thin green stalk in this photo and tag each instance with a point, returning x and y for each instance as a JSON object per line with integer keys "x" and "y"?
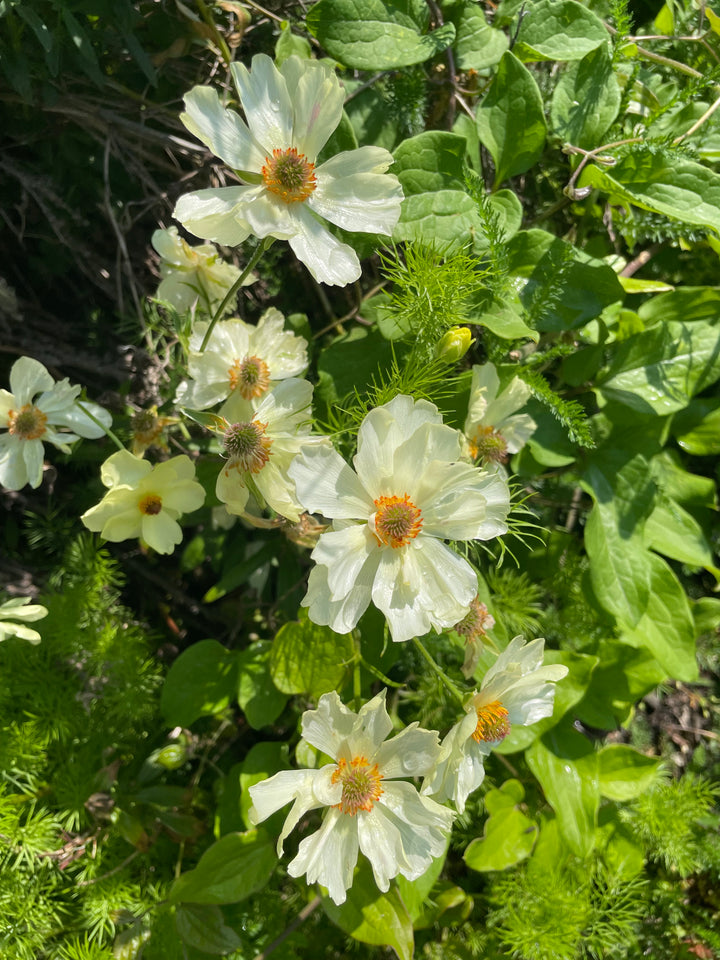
{"x": 232, "y": 292}
{"x": 440, "y": 673}
{"x": 219, "y": 39}
{"x": 357, "y": 677}
{"x": 106, "y": 430}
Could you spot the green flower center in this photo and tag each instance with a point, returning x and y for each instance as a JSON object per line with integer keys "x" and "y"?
{"x": 489, "y": 444}
{"x": 27, "y": 423}
{"x": 247, "y": 446}
{"x": 289, "y": 175}
{"x": 397, "y": 521}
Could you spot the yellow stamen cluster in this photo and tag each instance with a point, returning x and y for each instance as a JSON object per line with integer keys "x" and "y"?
{"x": 360, "y": 784}
{"x": 397, "y": 521}
{"x": 250, "y": 377}
{"x": 493, "y": 722}
{"x": 27, "y": 423}
{"x": 489, "y": 444}
{"x": 289, "y": 175}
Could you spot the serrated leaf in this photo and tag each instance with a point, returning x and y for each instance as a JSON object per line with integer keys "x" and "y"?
{"x": 201, "y": 682}
{"x": 377, "y": 34}
{"x": 232, "y": 869}
{"x": 586, "y": 100}
{"x": 373, "y": 917}
{"x": 558, "y": 30}
{"x": 659, "y": 181}
{"x": 513, "y": 103}
{"x": 309, "y": 658}
{"x": 625, "y": 773}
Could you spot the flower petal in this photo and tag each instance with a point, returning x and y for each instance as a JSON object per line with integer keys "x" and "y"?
{"x": 462, "y": 502}
{"x": 358, "y": 201}
{"x": 34, "y": 456}
{"x": 221, "y": 130}
{"x": 344, "y": 553}
{"x": 124, "y": 469}
{"x": 317, "y": 103}
{"x": 266, "y": 102}
{"x": 272, "y": 794}
{"x": 329, "y": 855}
{"x": 327, "y": 259}
{"x": 13, "y": 472}
{"x": 342, "y": 614}
{"x": 325, "y": 484}
{"x": 76, "y": 418}
{"x": 410, "y": 754}
{"x": 161, "y": 532}
{"x": 28, "y": 377}
{"x": 216, "y": 213}
{"x": 329, "y": 726}
{"x": 459, "y": 769}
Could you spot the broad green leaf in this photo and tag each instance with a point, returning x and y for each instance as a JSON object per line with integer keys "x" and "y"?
{"x": 377, "y": 34}
{"x": 232, "y": 869}
{"x": 625, "y": 773}
{"x": 623, "y": 676}
{"x": 414, "y": 893}
{"x": 559, "y": 30}
{"x": 619, "y": 561}
{"x": 370, "y": 118}
{"x": 656, "y": 180}
{"x": 258, "y": 696}
{"x": 584, "y": 286}
{"x": 350, "y": 363}
{"x": 666, "y": 628}
{"x": 568, "y": 691}
{"x": 373, "y": 917}
{"x": 586, "y": 100}
{"x": 513, "y": 103}
{"x": 436, "y": 208}
{"x": 621, "y": 850}
{"x": 508, "y": 838}
{"x": 449, "y": 902}
{"x": 697, "y": 428}
{"x": 685, "y": 304}
{"x": 661, "y": 369}
{"x": 706, "y": 614}
{"x": 289, "y": 44}
{"x": 477, "y": 44}
{"x": 675, "y": 533}
{"x": 201, "y": 682}
{"x": 502, "y": 317}
{"x": 687, "y": 488}
{"x": 203, "y": 927}
{"x": 38, "y": 26}
{"x": 308, "y": 658}
{"x": 566, "y": 765}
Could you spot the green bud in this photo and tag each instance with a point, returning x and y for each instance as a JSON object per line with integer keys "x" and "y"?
{"x": 454, "y": 345}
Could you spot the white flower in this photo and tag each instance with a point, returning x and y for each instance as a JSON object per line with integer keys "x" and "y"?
{"x": 31, "y": 421}
{"x": 241, "y": 363}
{"x": 20, "y": 608}
{"x": 517, "y": 690}
{"x": 370, "y": 809}
{"x": 290, "y": 115}
{"x": 193, "y": 275}
{"x": 492, "y": 427}
{"x": 261, "y": 449}
{"x": 390, "y": 519}
{"x": 144, "y": 500}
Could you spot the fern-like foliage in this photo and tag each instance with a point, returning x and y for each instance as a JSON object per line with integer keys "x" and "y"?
{"x": 570, "y": 413}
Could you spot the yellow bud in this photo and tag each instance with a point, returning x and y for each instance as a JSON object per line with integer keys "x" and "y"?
{"x": 454, "y": 345}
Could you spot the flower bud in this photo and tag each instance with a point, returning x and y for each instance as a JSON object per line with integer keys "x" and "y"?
{"x": 454, "y": 345}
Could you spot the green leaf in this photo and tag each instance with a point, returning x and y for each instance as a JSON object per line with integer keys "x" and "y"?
{"x": 586, "y": 100}
{"x": 373, "y": 917}
{"x": 563, "y": 30}
{"x": 582, "y": 286}
{"x": 201, "y": 682}
{"x": 415, "y": 893}
{"x": 625, "y": 773}
{"x": 675, "y": 533}
{"x": 232, "y": 869}
{"x": 566, "y": 765}
{"x": 377, "y": 34}
{"x": 350, "y": 363}
{"x": 662, "y": 182}
{"x": 685, "y": 304}
{"x": 502, "y": 317}
{"x": 38, "y": 27}
{"x": 508, "y": 838}
{"x": 310, "y": 659}
{"x": 697, "y": 428}
{"x": 289, "y": 44}
{"x": 258, "y": 696}
{"x": 661, "y": 369}
{"x": 436, "y": 208}
{"x": 84, "y": 46}
{"x": 202, "y": 926}
{"x": 619, "y": 561}
{"x": 513, "y": 103}
{"x": 666, "y": 628}
{"x": 477, "y": 44}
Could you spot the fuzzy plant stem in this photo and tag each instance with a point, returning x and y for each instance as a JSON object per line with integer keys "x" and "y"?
{"x": 232, "y": 292}
{"x": 439, "y": 673}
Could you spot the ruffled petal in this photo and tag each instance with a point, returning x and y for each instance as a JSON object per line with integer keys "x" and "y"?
{"x": 329, "y": 856}
{"x": 283, "y": 352}
{"x": 216, "y": 213}
{"x": 344, "y": 553}
{"x": 28, "y": 377}
{"x": 329, "y": 726}
{"x": 317, "y": 103}
{"x": 221, "y": 130}
{"x": 410, "y": 754}
{"x": 328, "y": 260}
{"x": 124, "y": 469}
{"x": 76, "y": 418}
{"x": 459, "y": 769}
{"x": 517, "y": 430}
{"x": 462, "y": 502}
{"x": 358, "y": 201}
{"x": 266, "y": 102}
{"x": 269, "y": 216}
{"x": 13, "y": 472}
{"x": 161, "y": 532}
{"x": 272, "y": 794}
{"x": 325, "y": 484}
{"x": 341, "y": 615}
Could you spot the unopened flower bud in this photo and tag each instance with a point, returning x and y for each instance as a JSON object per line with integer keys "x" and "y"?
{"x": 454, "y": 345}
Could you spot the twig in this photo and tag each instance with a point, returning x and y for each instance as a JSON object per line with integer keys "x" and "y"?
{"x": 698, "y": 123}
{"x": 291, "y": 928}
{"x": 110, "y": 873}
{"x": 640, "y": 260}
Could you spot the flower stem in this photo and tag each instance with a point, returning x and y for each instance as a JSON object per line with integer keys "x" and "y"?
{"x": 232, "y": 292}
{"x": 106, "y": 430}
{"x": 439, "y": 673}
{"x": 357, "y": 677}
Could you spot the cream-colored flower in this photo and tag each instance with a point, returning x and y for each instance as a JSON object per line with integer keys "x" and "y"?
{"x": 241, "y": 363}
{"x": 390, "y": 519}
{"x": 493, "y": 429}
{"x": 261, "y": 449}
{"x": 145, "y": 500}
{"x": 20, "y": 608}
{"x": 193, "y": 276}
{"x": 370, "y": 808}
{"x": 517, "y": 690}
{"x": 30, "y": 420}
{"x": 291, "y": 113}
